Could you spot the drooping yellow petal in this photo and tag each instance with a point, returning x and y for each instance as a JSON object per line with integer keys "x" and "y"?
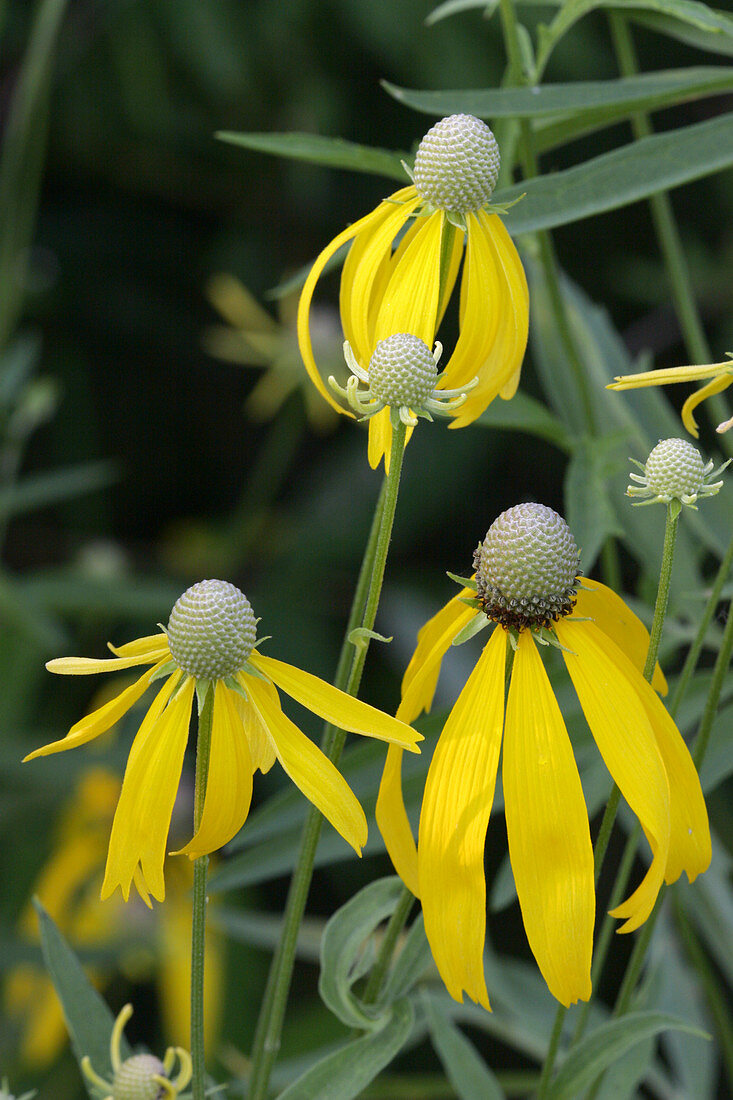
{"x": 261, "y": 751}
{"x": 229, "y": 780}
{"x": 87, "y": 666}
{"x": 143, "y": 815}
{"x": 459, "y": 793}
{"x": 150, "y": 644}
{"x": 393, "y": 822}
{"x": 311, "y": 771}
{"x": 547, "y": 827}
{"x": 380, "y": 439}
{"x": 626, "y": 741}
{"x": 500, "y": 353}
{"x": 434, "y": 639}
{"x": 411, "y": 297}
{"x": 336, "y": 706}
{"x": 689, "y": 846}
{"x": 304, "y": 305}
{"x": 615, "y": 618}
{"x": 716, "y": 386}
{"x": 358, "y": 305}
{"x": 100, "y": 720}
{"x": 667, "y": 375}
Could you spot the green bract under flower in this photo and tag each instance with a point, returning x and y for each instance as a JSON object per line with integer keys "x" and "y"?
{"x": 211, "y": 630}
{"x": 457, "y": 164}
{"x": 527, "y": 568}
{"x": 674, "y": 470}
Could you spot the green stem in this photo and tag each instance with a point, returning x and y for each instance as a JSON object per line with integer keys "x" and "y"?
{"x": 198, "y": 931}
{"x": 604, "y": 833}
{"x": 386, "y": 948}
{"x": 269, "y": 1026}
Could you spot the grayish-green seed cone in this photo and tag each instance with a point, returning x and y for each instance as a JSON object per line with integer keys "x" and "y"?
{"x": 675, "y": 469}
{"x": 402, "y": 371}
{"x": 211, "y": 630}
{"x": 457, "y": 164}
{"x": 134, "y": 1079}
{"x": 527, "y": 567}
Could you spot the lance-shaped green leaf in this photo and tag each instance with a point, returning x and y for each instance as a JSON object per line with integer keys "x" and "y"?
{"x": 327, "y": 151}
{"x": 589, "y": 480}
{"x": 345, "y": 1073}
{"x": 526, "y": 414}
{"x": 87, "y": 1016}
{"x": 607, "y": 1044}
{"x": 342, "y": 950}
{"x": 645, "y": 92}
{"x": 625, "y": 175}
{"x": 720, "y": 43}
{"x": 465, "y": 1069}
{"x": 40, "y": 490}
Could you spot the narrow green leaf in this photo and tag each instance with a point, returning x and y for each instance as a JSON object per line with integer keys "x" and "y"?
{"x": 465, "y": 1069}
{"x": 414, "y": 958}
{"x": 346, "y": 1072}
{"x": 27, "y": 617}
{"x": 646, "y": 92}
{"x": 623, "y": 176}
{"x": 88, "y": 1019}
{"x": 605, "y": 1045}
{"x": 326, "y": 151}
{"x": 40, "y": 490}
{"x": 588, "y": 509}
{"x": 721, "y": 43}
{"x": 22, "y": 158}
{"x": 455, "y": 7}
{"x": 342, "y": 946}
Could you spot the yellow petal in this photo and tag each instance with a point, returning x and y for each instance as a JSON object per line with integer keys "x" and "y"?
{"x": 150, "y": 644}
{"x": 311, "y": 771}
{"x": 86, "y": 666}
{"x": 455, "y": 814}
{"x": 689, "y": 847}
{"x": 611, "y": 614}
{"x": 260, "y": 747}
{"x": 434, "y": 640}
{"x": 619, "y": 724}
{"x": 495, "y": 353}
{"x": 547, "y": 827}
{"x": 143, "y": 815}
{"x": 380, "y": 439}
{"x": 336, "y": 706}
{"x": 393, "y": 822}
{"x": 668, "y": 375}
{"x": 229, "y": 780}
{"x": 100, "y": 720}
{"x": 366, "y": 273}
{"x": 411, "y": 297}
{"x": 716, "y": 386}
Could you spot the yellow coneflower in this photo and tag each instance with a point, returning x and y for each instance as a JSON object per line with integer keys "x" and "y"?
{"x": 527, "y": 582}
{"x": 720, "y": 375}
{"x": 405, "y": 289}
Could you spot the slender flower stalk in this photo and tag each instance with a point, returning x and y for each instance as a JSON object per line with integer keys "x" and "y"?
{"x": 198, "y": 928}
{"x": 351, "y": 665}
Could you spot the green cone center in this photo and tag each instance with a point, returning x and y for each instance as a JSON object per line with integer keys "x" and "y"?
{"x": 211, "y": 630}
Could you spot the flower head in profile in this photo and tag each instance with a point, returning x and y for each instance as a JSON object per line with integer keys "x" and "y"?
{"x": 720, "y": 376}
{"x": 208, "y": 647}
{"x": 393, "y": 286}
{"x": 142, "y": 1076}
{"x": 527, "y": 584}
{"x": 675, "y": 471}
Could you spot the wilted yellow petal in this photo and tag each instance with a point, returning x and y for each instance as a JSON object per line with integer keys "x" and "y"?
{"x": 620, "y": 726}
{"x": 393, "y": 822}
{"x": 87, "y": 666}
{"x": 100, "y": 720}
{"x": 260, "y": 747}
{"x": 335, "y": 706}
{"x": 547, "y": 828}
{"x": 615, "y": 618}
{"x": 411, "y": 297}
{"x": 434, "y": 639}
{"x": 150, "y": 644}
{"x": 455, "y": 813}
{"x": 143, "y": 815}
{"x": 311, "y": 771}
{"x": 229, "y": 780}
{"x": 716, "y": 386}
{"x": 667, "y": 375}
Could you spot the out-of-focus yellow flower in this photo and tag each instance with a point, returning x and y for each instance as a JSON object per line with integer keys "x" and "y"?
{"x": 68, "y": 886}
{"x": 253, "y": 338}
{"x": 210, "y": 646}
{"x": 720, "y": 375}
{"x": 407, "y": 290}
{"x": 527, "y": 581}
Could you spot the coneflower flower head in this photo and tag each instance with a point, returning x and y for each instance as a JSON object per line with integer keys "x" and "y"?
{"x": 142, "y": 1076}
{"x": 457, "y": 165}
{"x": 674, "y": 470}
{"x": 211, "y": 630}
